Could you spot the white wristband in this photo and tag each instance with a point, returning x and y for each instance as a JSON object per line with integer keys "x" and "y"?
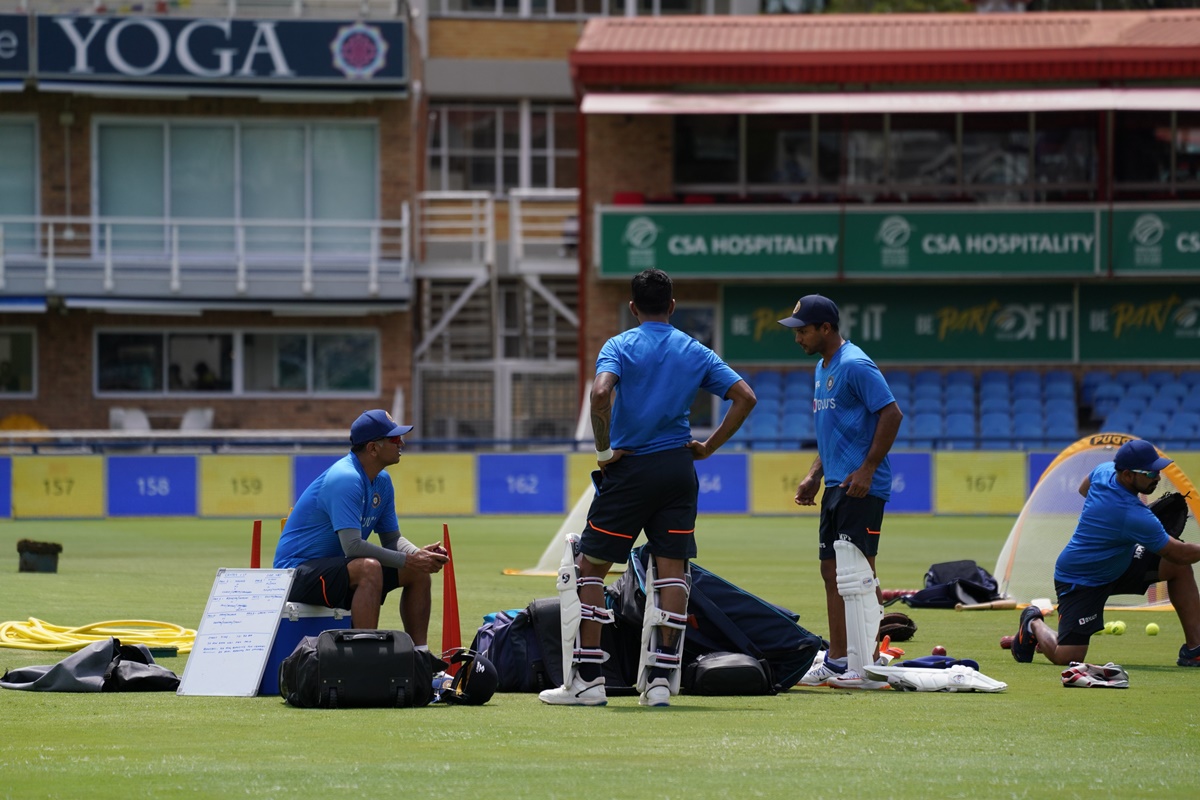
{"x": 604, "y": 455}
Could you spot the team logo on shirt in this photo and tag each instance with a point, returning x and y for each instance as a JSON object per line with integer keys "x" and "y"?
{"x": 829, "y": 384}
{"x": 375, "y": 501}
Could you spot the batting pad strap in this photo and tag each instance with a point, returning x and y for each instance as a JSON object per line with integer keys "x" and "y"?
{"x": 664, "y": 660}
{"x": 658, "y": 616}
{"x": 592, "y": 613}
{"x": 589, "y": 655}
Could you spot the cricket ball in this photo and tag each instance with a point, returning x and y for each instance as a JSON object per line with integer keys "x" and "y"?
{"x": 939, "y": 650}
{"x": 1006, "y": 642}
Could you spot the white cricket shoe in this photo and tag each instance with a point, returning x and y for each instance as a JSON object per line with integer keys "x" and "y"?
{"x": 657, "y": 694}
{"x": 578, "y": 693}
{"x": 850, "y": 679}
{"x": 821, "y": 671}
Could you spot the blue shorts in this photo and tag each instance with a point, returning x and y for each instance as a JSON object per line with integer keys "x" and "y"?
{"x": 1081, "y": 608}
{"x": 655, "y": 493}
{"x": 851, "y": 519}
{"x": 326, "y": 582}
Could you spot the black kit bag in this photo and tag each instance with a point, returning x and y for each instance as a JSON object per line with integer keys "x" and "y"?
{"x": 953, "y": 582}
{"x": 726, "y": 674}
{"x": 358, "y": 668}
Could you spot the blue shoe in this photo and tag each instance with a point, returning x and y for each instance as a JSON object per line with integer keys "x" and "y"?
{"x": 1188, "y": 658}
{"x": 1024, "y": 644}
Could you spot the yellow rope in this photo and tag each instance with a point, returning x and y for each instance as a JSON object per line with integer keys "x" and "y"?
{"x": 35, "y": 634}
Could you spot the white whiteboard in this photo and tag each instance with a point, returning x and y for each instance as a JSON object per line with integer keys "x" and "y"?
{"x": 233, "y": 640}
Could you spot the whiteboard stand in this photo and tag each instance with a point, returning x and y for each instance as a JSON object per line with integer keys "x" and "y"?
{"x": 235, "y": 634}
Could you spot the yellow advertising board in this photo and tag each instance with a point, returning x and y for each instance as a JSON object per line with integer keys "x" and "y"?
{"x": 428, "y": 484}
{"x": 979, "y": 482}
{"x": 57, "y": 486}
{"x": 773, "y": 481}
{"x": 245, "y": 486}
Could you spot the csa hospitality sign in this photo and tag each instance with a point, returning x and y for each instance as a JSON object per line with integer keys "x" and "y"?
{"x": 171, "y": 50}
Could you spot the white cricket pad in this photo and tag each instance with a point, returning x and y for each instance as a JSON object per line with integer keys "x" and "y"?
{"x": 856, "y": 583}
{"x": 958, "y": 678}
{"x": 569, "y": 608}
{"x": 653, "y": 619}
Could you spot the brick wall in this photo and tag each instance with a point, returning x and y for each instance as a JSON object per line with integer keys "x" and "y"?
{"x": 502, "y": 38}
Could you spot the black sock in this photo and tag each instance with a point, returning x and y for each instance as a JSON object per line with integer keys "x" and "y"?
{"x": 589, "y": 671}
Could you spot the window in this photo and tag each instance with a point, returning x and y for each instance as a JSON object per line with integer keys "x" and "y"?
{"x": 1142, "y": 149}
{"x": 18, "y": 183}
{"x": 707, "y": 150}
{"x": 238, "y": 171}
{"x": 1064, "y": 155}
{"x": 779, "y": 151}
{"x": 501, "y": 146}
{"x": 16, "y": 363}
{"x": 923, "y": 150}
{"x": 202, "y": 361}
{"x": 995, "y": 156}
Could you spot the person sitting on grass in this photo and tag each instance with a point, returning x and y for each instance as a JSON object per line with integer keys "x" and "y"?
{"x": 1118, "y": 547}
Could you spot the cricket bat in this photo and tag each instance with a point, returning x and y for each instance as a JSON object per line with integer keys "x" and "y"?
{"x": 995, "y": 605}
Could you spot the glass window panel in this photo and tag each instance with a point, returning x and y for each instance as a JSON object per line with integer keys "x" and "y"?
{"x": 344, "y": 170}
{"x": 129, "y": 362}
{"x": 779, "y": 149}
{"x": 566, "y": 129}
{"x": 273, "y": 185}
{"x": 275, "y": 362}
{"x": 482, "y": 129}
{"x": 18, "y": 183}
{"x": 435, "y": 127}
{"x": 344, "y": 362}
{"x": 16, "y": 362}
{"x": 458, "y": 126}
{"x": 512, "y": 173}
{"x": 829, "y": 151}
{"x": 202, "y": 185}
{"x": 1187, "y": 148}
{"x": 865, "y": 151}
{"x": 995, "y": 153}
{"x": 130, "y": 183}
{"x": 923, "y": 149}
{"x": 205, "y": 360}
{"x": 482, "y": 173}
{"x": 539, "y": 129}
{"x": 539, "y": 171}
{"x": 706, "y": 149}
{"x": 1142, "y": 147}
{"x": 511, "y": 121}
{"x": 456, "y": 174}
{"x": 1065, "y": 148}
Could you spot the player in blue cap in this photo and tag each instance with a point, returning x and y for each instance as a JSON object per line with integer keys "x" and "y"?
{"x": 325, "y": 538}
{"x": 1118, "y": 547}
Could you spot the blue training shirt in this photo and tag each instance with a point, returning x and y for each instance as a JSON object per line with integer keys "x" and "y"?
{"x": 1113, "y": 520}
{"x": 848, "y": 394}
{"x": 659, "y": 370}
{"x": 340, "y": 497}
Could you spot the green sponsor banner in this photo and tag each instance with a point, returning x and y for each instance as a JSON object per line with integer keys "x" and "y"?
{"x": 1148, "y": 240}
{"x": 724, "y": 243}
{"x": 975, "y": 241}
{"x": 1146, "y": 322}
{"x": 970, "y": 323}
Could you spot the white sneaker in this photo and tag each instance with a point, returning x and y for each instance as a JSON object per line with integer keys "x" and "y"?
{"x": 850, "y": 679}
{"x": 657, "y": 694}
{"x": 579, "y": 693}
{"x": 820, "y": 672}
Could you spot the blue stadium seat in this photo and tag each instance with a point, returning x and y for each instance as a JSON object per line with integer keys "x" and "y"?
{"x": 1119, "y": 422}
{"x": 1089, "y": 382}
{"x": 765, "y": 377}
{"x": 1142, "y": 390}
{"x": 926, "y": 430}
{"x": 1059, "y": 405}
{"x": 1024, "y": 390}
{"x": 1172, "y": 392}
{"x": 930, "y": 377}
{"x": 1028, "y": 431}
{"x": 959, "y": 432}
{"x": 798, "y": 381}
{"x": 993, "y": 404}
{"x": 959, "y": 405}
{"x": 796, "y": 404}
{"x": 1058, "y": 377}
{"x": 927, "y": 393}
{"x": 960, "y": 377}
{"x": 1154, "y": 418}
{"x": 995, "y": 431}
{"x": 1160, "y": 377}
{"x": 994, "y": 377}
{"x": 1027, "y": 376}
{"x": 1184, "y": 425}
{"x": 1129, "y": 377}
{"x": 1192, "y": 401}
{"x": 1059, "y": 425}
{"x": 1190, "y": 377}
{"x": 1059, "y": 390}
{"x": 797, "y": 426}
{"x": 959, "y": 390}
{"x": 1149, "y": 430}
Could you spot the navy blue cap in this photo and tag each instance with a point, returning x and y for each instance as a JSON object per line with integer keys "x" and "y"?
{"x": 1139, "y": 454}
{"x": 375, "y": 424}
{"x": 813, "y": 309}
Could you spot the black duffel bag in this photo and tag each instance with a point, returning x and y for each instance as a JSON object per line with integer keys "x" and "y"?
{"x": 358, "y": 668}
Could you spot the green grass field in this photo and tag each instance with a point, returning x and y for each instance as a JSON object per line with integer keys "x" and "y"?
{"x": 1034, "y": 740}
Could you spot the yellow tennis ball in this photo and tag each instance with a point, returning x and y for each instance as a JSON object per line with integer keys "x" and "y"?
{"x": 1108, "y": 627}
{"x": 1152, "y": 629}
{"x": 1118, "y": 628}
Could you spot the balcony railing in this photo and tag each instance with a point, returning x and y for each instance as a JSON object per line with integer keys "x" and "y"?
{"x": 164, "y": 258}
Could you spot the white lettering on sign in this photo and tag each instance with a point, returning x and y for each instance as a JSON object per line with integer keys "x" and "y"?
{"x": 219, "y": 62}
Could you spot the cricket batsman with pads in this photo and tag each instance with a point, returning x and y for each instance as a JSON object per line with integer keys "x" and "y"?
{"x": 646, "y": 380}
{"x": 856, "y": 420}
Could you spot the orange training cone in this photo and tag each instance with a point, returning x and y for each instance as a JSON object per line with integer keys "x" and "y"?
{"x": 451, "y": 628}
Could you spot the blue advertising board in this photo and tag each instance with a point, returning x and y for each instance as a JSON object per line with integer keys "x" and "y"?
{"x": 14, "y": 46}
{"x": 723, "y": 484}
{"x": 521, "y": 484}
{"x": 152, "y": 486}
{"x": 305, "y": 470}
{"x": 250, "y": 52}
{"x": 1037, "y": 465}
{"x": 5, "y": 487}
{"x": 912, "y": 483}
